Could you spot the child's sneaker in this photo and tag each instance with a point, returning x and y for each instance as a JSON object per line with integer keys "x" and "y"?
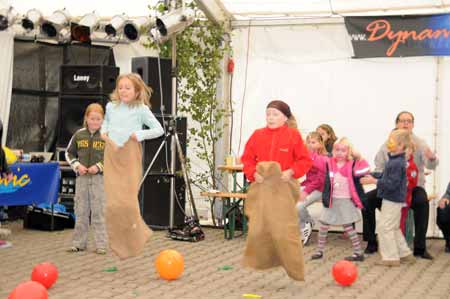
{"x": 317, "y": 256}
{"x": 307, "y": 232}
{"x": 100, "y": 251}
{"x": 355, "y": 257}
{"x": 388, "y": 263}
{"x": 74, "y": 249}
{"x": 409, "y": 259}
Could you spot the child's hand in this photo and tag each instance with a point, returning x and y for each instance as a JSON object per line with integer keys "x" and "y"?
{"x": 302, "y": 196}
{"x": 287, "y": 175}
{"x": 258, "y": 178}
{"x": 443, "y": 202}
{"x": 368, "y": 179}
{"x": 104, "y": 136}
{"x": 134, "y": 137}
{"x": 9, "y": 176}
{"x": 93, "y": 169}
{"x": 356, "y": 155}
{"x": 82, "y": 170}
{"x": 429, "y": 154}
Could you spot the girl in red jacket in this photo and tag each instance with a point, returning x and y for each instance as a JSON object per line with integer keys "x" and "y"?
{"x": 279, "y": 141}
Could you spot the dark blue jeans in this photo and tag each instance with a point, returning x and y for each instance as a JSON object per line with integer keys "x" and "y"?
{"x": 421, "y": 209}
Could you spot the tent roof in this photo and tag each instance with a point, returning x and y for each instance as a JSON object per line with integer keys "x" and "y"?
{"x": 241, "y": 10}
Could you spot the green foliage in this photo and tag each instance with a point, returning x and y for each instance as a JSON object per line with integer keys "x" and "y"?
{"x": 200, "y": 50}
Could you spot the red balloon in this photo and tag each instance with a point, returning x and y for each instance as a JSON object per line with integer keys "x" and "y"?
{"x": 29, "y": 290}
{"x": 344, "y": 272}
{"x": 45, "y": 273}
{"x": 169, "y": 264}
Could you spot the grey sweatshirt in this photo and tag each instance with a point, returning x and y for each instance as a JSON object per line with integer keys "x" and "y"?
{"x": 419, "y": 158}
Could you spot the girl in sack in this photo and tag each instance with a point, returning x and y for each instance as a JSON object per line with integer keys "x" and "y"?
{"x": 274, "y": 157}
{"x": 123, "y": 131}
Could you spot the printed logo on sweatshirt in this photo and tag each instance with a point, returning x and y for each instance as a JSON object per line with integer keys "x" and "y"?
{"x": 284, "y": 150}
{"x": 97, "y": 145}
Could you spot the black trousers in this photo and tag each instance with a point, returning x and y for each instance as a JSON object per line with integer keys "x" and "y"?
{"x": 443, "y": 222}
{"x": 421, "y": 209}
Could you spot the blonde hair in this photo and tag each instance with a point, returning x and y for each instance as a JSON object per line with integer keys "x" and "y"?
{"x": 318, "y": 137}
{"x": 94, "y": 107}
{"x": 143, "y": 92}
{"x": 346, "y": 142}
{"x": 402, "y": 136}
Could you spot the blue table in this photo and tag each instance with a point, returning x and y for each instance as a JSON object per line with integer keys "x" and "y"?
{"x": 33, "y": 183}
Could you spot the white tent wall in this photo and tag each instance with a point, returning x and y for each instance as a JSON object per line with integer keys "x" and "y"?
{"x": 6, "y": 61}
{"x": 123, "y": 54}
{"x": 310, "y": 67}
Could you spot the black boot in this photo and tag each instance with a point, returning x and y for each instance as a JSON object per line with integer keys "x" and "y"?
{"x": 372, "y": 247}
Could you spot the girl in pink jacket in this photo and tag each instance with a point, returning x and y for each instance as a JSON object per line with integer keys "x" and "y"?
{"x": 341, "y": 196}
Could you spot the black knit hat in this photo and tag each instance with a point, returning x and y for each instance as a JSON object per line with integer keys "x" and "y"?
{"x": 281, "y": 106}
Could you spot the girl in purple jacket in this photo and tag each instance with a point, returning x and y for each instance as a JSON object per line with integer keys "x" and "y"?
{"x": 312, "y": 186}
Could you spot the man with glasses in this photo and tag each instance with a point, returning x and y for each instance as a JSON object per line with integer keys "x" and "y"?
{"x": 423, "y": 158}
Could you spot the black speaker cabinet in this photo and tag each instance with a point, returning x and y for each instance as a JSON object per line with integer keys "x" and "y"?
{"x": 147, "y": 68}
{"x": 71, "y": 112}
{"x": 156, "y": 205}
{"x": 88, "y": 79}
{"x": 163, "y": 160}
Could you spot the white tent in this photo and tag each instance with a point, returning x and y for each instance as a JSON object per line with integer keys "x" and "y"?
{"x": 299, "y": 51}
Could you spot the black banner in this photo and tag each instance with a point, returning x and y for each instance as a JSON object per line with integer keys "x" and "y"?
{"x": 399, "y": 36}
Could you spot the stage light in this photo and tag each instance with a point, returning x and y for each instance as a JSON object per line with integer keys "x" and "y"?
{"x": 174, "y": 22}
{"x": 115, "y": 26}
{"x": 7, "y": 17}
{"x": 32, "y": 20}
{"x": 56, "y": 24}
{"x": 81, "y": 31}
{"x": 134, "y": 28}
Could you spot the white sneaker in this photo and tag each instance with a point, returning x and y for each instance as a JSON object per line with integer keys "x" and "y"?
{"x": 307, "y": 232}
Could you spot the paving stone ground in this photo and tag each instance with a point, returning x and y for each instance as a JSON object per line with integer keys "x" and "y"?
{"x": 82, "y": 276}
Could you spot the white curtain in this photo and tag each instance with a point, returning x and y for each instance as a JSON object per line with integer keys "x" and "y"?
{"x": 6, "y": 61}
{"x": 310, "y": 67}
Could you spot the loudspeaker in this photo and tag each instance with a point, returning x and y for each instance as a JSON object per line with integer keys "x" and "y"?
{"x": 71, "y": 113}
{"x": 147, "y": 68}
{"x": 163, "y": 160}
{"x": 156, "y": 206}
{"x": 88, "y": 79}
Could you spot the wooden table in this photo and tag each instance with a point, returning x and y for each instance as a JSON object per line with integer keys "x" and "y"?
{"x": 232, "y": 201}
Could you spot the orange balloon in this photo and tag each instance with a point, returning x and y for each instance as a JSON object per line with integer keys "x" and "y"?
{"x": 169, "y": 264}
{"x": 45, "y": 273}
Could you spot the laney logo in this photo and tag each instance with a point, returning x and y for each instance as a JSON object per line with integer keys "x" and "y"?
{"x": 78, "y": 78}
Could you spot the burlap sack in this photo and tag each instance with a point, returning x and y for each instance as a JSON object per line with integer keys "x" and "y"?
{"x": 127, "y": 231}
{"x": 273, "y": 236}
